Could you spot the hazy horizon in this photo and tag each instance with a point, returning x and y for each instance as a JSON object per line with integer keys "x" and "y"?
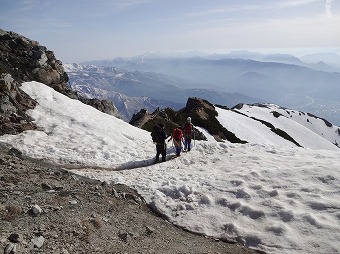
{"x": 79, "y": 31}
{"x": 297, "y": 52}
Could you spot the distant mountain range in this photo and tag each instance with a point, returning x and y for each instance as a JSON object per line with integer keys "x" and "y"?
{"x": 310, "y": 85}
{"x": 224, "y": 74}
{"x": 131, "y": 91}
{"x": 329, "y": 62}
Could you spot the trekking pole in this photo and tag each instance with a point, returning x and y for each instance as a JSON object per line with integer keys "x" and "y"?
{"x": 194, "y": 138}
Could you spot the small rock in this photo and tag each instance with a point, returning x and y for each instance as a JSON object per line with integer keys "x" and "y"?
{"x": 15, "y": 238}
{"x": 73, "y": 202}
{"x": 38, "y": 241}
{"x": 125, "y": 236}
{"x": 45, "y": 186}
{"x": 149, "y": 230}
{"x": 58, "y": 187}
{"x": 104, "y": 184}
{"x": 36, "y": 210}
{"x": 115, "y": 193}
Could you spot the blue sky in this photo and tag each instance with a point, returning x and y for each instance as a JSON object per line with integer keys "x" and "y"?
{"x": 80, "y": 30}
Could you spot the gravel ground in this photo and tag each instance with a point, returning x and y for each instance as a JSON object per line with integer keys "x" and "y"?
{"x": 45, "y": 209}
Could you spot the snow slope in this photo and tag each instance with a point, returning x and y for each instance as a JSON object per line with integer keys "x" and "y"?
{"x": 269, "y": 195}
{"x": 313, "y": 134}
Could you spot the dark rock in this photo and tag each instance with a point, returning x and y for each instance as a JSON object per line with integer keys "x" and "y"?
{"x": 15, "y": 238}
{"x": 15, "y": 152}
{"x": 126, "y": 237}
{"x": 104, "y": 106}
{"x": 276, "y": 114}
{"x": 45, "y": 186}
{"x": 149, "y": 230}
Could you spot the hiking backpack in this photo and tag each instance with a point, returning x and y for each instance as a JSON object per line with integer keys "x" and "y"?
{"x": 156, "y": 134}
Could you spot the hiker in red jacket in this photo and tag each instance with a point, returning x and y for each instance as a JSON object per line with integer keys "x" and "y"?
{"x": 177, "y": 137}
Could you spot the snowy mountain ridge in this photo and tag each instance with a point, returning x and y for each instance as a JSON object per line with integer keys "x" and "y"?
{"x": 307, "y": 130}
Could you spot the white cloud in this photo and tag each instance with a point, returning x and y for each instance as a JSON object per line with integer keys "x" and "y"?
{"x": 29, "y": 5}
{"x": 328, "y": 8}
{"x": 223, "y": 10}
{"x": 295, "y": 3}
{"x": 125, "y": 4}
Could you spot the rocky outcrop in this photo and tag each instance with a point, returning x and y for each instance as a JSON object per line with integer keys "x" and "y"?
{"x": 27, "y": 60}
{"x": 104, "y": 106}
{"x": 202, "y": 113}
{"x": 140, "y": 118}
{"x": 21, "y": 60}
{"x": 13, "y": 105}
{"x": 170, "y": 118}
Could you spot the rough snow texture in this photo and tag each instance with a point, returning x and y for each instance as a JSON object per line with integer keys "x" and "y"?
{"x": 270, "y": 195}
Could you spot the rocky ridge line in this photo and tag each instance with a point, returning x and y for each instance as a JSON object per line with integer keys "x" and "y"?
{"x": 22, "y": 60}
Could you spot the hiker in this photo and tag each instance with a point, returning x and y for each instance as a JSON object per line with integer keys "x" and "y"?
{"x": 177, "y": 137}
{"x": 159, "y": 135}
{"x": 188, "y": 129}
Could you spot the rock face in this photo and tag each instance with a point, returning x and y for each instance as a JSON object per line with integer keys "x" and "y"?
{"x": 170, "y": 118}
{"x": 21, "y": 60}
{"x": 202, "y": 113}
{"x": 105, "y": 106}
{"x": 13, "y": 104}
{"x": 26, "y": 60}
